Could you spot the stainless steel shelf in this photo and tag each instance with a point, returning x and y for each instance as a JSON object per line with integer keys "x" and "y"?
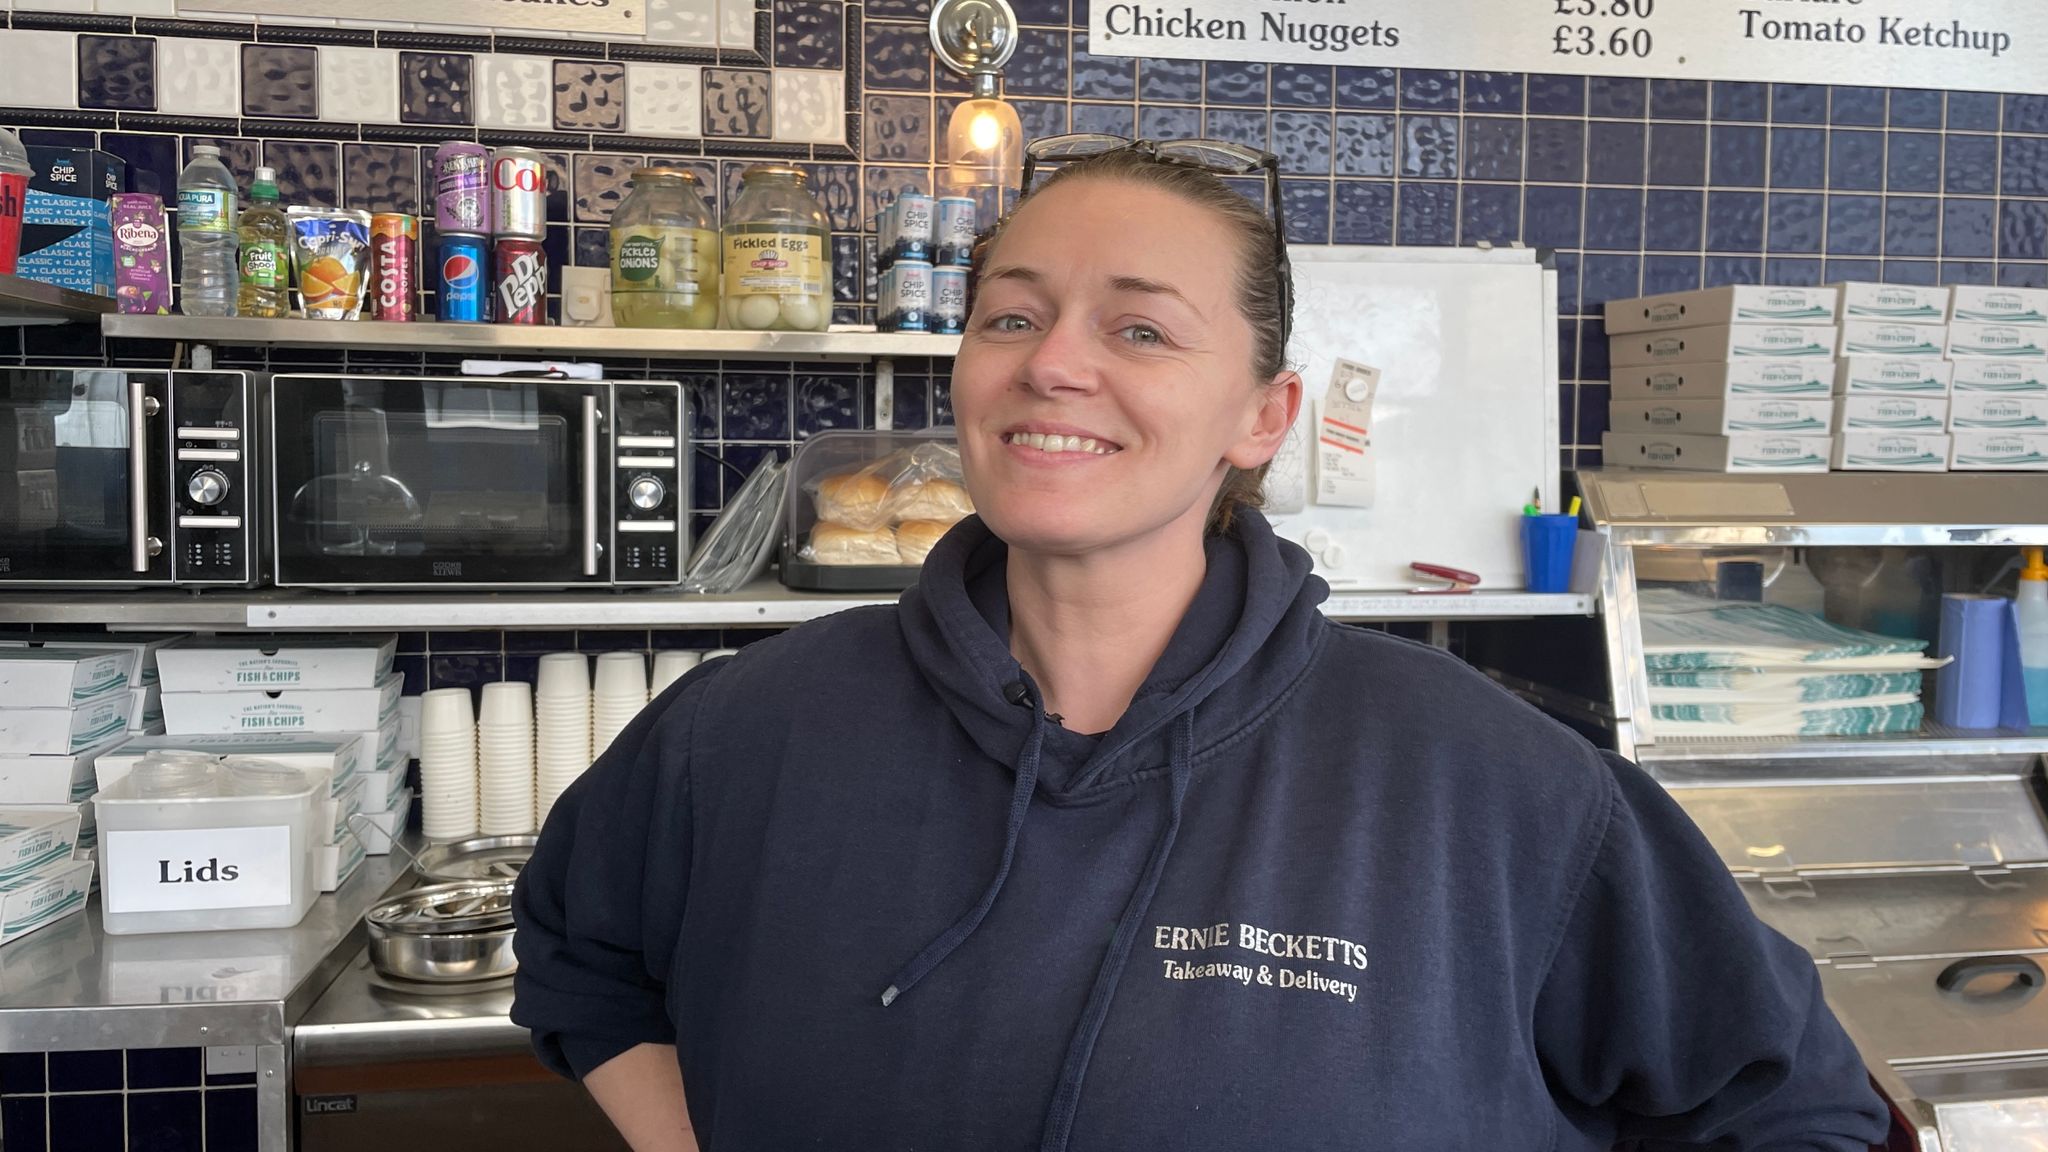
{"x": 1709, "y": 510}
{"x": 431, "y": 336}
{"x": 1934, "y": 740}
{"x": 763, "y": 604}
{"x": 26, "y": 302}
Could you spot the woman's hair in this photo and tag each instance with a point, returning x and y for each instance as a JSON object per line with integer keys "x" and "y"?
{"x": 1258, "y": 278}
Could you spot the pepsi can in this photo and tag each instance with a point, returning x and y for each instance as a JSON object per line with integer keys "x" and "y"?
{"x": 913, "y": 227}
{"x": 913, "y": 294}
{"x": 954, "y": 238}
{"x": 949, "y": 301}
{"x": 462, "y": 282}
{"x": 462, "y": 188}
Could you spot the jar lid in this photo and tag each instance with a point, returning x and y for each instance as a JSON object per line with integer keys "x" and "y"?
{"x": 775, "y": 172}
{"x": 664, "y": 172}
{"x": 470, "y": 906}
{"x": 479, "y": 858}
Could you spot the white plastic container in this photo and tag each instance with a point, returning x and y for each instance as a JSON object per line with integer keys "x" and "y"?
{"x": 339, "y": 754}
{"x": 203, "y": 863}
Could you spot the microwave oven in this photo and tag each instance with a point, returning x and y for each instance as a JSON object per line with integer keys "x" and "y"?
{"x": 475, "y": 482}
{"x": 118, "y": 478}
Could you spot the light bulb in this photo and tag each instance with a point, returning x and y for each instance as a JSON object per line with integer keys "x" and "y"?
{"x": 985, "y": 132}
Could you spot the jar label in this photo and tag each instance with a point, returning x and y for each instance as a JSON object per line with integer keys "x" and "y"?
{"x": 776, "y": 263}
{"x": 651, "y": 259}
{"x": 203, "y": 210}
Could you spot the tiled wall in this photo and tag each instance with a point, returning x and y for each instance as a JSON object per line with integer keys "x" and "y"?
{"x": 144, "y": 1100}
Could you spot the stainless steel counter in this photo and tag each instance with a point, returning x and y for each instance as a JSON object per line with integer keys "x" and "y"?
{"x": 357, "y": 1022}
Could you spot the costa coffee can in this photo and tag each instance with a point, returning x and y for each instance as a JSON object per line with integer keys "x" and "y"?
{"x": 519, "y": 193}
{"x": 462, "y": 188}
{"x": 519, "y": 276}
{"x": 394, "y": 255}
{"x": 460, "y": 282}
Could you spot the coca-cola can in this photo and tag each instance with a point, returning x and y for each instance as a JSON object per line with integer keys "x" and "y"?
{"x": 519, "y": 193}
{"x": 519, "y": 280}
{"x": 394, "y": 260}
{"x": 462, "y": 188}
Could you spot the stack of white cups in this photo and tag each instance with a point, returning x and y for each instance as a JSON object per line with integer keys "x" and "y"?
{"x": 716, "y": 653}
{"x": 561, "y": 709}
{"x": 620, "y": 694}
{"x": 448, "y": 802}
{"x": 669, "y": 668}
{"x": 504, "y": 747}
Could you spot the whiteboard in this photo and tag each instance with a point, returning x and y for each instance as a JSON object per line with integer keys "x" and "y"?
{"x": 1465, "y": 421}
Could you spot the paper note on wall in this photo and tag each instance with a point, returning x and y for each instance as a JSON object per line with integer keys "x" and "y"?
{"x": 1344, "y": 452}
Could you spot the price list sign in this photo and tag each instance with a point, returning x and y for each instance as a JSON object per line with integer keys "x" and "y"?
{"x": 1991, "y": 45}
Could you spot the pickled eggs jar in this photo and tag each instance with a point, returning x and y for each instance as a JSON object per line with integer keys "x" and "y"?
{"x": 778, "y": 254}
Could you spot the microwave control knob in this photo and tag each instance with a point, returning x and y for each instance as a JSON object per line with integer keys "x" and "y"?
{"x": 207, "y": 487}
{"x": 646, "y": 493}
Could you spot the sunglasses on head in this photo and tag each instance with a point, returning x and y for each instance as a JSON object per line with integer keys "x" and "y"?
{"x": 1218, "y": 157}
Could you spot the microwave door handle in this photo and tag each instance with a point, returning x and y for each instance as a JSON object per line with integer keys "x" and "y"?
{"x": 138, "y": 475}
{"x": 590, "y": 478}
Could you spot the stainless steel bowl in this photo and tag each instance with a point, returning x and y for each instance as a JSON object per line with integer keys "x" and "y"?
{"x": 451, "y": 958}
{"x": 478, "y": 858}
{"x": 443, "y": 909}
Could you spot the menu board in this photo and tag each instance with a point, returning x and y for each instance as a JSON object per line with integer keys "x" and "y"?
{"x": 1993, "y": 45}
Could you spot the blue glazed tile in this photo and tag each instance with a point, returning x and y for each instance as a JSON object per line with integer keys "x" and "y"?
{"x": 1733, "y": 222}
{"x": 1593, "y": 345}
{"x": 1175, "y": 81}
{"x": 1856, "y": 160}
{"x": 1557, "y": 151}
{"x": 837, "y": 187}
{"x": 280, "y": 80}
{"x": 1114, "y": 119}
{"x": 1491, "y": 213}
{"x": 1795, "y": 221}
{"x": 1364, "y": 144}
{"x": 1838, "y": 270}
{"x": 2023, "y": 113}
{"x": 590, "y": 96}
{"x": 1307, "y": 204}
{"x": 472, "y": 641}
{"x": 1040, "y": 66}
{"x": 412, "y": 669}
{"x": 1741, "y": 100}
{"x": 547, "y": 641}
{"x": 92, "y": 1071}
{"x": 152, "y": 161}
{"x": 1614, "y": 152}
{"x": 1040, "y": 118}
{"x": 1913, "y": 162}
{"x": 1238, "y": 125}
{"x": 810, "y": 33}
{"x": 1799, "y": 158}
{"x": 1429, "y": 88}
{"x": 1427, "y": 214}
{"x": 900, "y": 9}
{"x": 1051, "y": 12}
{"x": 382, "y": 178}
{"x": 1912, "y": 226}
{"x": 1614, "y": 219}
{"x": 1617, "y": 96}
{"x": 87, "y": 1123}
{"x": 756, "y": 406}
{"x": 1733, "y": 270}
{"x": 1567, "y": 360}
{"x": 1363, "y": 213}
{"x": 898, "y": 129}
{"x": 700, "y": 397}
{"x": 231, "y": 1121}
{"x": 1429, "y": 146}
{"x": 1307, "y": 85}
{"x": 1973, "y": 111}
{"x": 22, "y": 1072}
{"x": 1678, "y": 154}
{"x": 1915, "y": 108}
{"x": 1169, "y": 123}
{"x": 1551, "y": 217}
{"x": 593, "y": 248}
{"x": 26, "y": 1120}
{"x": 1235, "y": 82}
{"x": 1593, "y": 399}
{"x": 1672, "y": 220}
{"x": 1302, "y": 141}
{"x": 1857, "y": 106}
{"x": 1367, "y": 87}
{"x": 1738, "y": 156}
{"x": 2023, "y": 275}
{"x": 826, "y": 402}
{"x": 1493, "y": 148}
{"x": 898, "y": 57}
{"x": 942, "y": 403}
{"x": 1799, "y": 104}
{"x": 1608, "y": 277}
{"x": 56, "y": 137}
{"x": 163, "y": 1068}
{"x": 707, "y": 481}
{"x": 736, "y": 102}
{"x": 2024, "y": 166}
{"x": 433, "y": 88}
{"x": 1678, "y": 99}
{"x": 1567, "y": 264}
{"x": 849, "y": 269}
{"x": 1968, "y": 271}
{"x": 117, "y": 72}
{"x": 1104, "y": 77}
{"x": 2023, "y": 230}
{"x": 1967, "y": 228}
{"x": 1493, "y": 92}
{"x": 1557, "y": 95}
{"x": 164, "y": 1122}
{"x": 1855, "y": 225}
{"x": 1970, "y": 164}
{"x": 1796, "y": 271}
{"x": 307, "y": 173}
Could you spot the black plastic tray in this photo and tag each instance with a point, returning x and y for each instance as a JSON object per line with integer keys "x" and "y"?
{"x": 805, "y": 576}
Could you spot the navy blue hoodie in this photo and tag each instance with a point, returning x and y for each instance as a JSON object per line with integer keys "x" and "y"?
{"x": 1318, "y": 888}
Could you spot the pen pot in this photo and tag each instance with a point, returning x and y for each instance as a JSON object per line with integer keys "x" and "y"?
{"x": 1547, "y": 543}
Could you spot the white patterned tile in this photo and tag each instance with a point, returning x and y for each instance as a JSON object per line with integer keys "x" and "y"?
{"x": 41, "y": 69}
{"x": 514, "y": 92}
{"x": 359, "y": 84}
{"x": 735, "y": 23}
{"x": 683, "y": 22}
{"x": 664, "y": 99}
{"x": 53, "y": 5}
{"x": 198, "y": 77}
{"x": 138, "y": 7}
{"x": 810, "y": 105}
{"x": 301, "y": 21}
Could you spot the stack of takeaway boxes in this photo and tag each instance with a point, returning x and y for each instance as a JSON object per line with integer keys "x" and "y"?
{"x": 1858, "y": 377}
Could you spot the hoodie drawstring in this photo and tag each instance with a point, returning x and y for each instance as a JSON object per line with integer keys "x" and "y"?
{"x": 1066, "y": 1096}
{"x": 935, "y": 952}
